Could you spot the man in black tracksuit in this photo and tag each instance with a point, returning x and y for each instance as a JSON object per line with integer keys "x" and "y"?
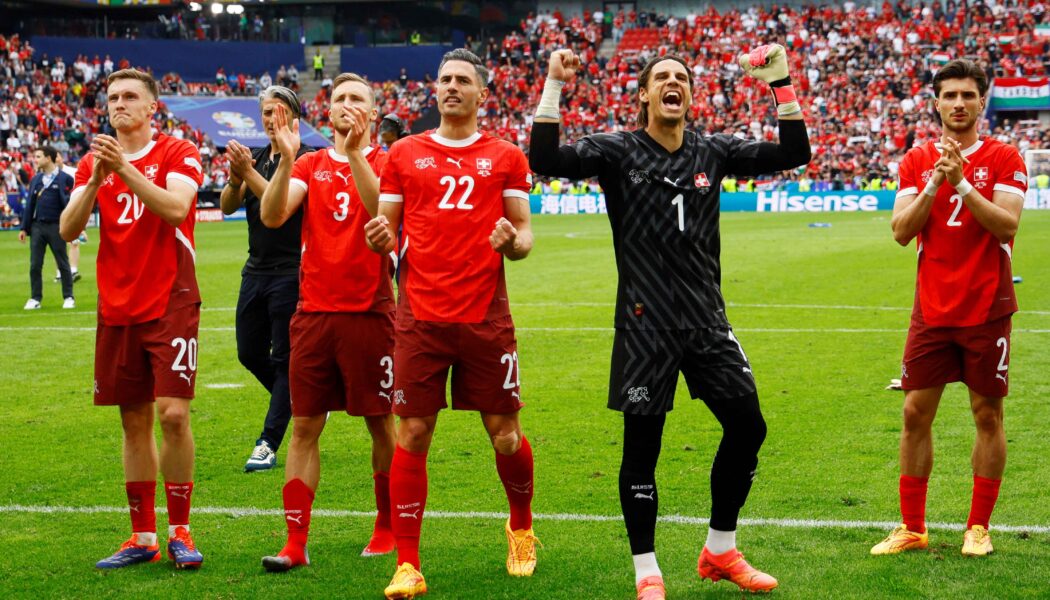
{"x": 270, "y": 278}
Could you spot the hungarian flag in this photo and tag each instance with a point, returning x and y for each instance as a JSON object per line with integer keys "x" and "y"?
{"x": 939, "y": 59}
{"x": 1042, "y": 30}
{"x": 1018, "y": 93}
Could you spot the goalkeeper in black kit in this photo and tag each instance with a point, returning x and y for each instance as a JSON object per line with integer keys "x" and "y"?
{"x": 661, "y": 185}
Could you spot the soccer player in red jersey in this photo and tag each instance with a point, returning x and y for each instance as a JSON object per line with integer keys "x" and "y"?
{"x": 145, "y": 187}
{"x": 961, "y": 198}
{"x": 460, "y": 197}
{"x": 342, "y": 335}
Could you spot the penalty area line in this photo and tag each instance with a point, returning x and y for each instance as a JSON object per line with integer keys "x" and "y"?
{"x": 569, "y": 517}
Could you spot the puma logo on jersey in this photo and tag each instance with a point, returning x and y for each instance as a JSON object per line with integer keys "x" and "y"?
{"x": 187, "y": 377}
{"x": 746, "y": 369}
{"x": 668, "y": 180}
{"x": 384, "y": 395}
{"x": 1001, "y": 376}
{"x": 185, "y": 495}
{"x": 135, "y": 507}
{"x": 514, "y": 395}
{"x": 297, "y": 520}
{"x": 409, "y": 515}
{"x": 423, "y": 163}
{"x": 458, "y": 163}
{"x": 345, "y": 178}
{"x": 648, "y": 496}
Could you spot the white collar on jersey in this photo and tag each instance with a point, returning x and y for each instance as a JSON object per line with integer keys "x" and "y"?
{"x": 340, "y": 158}
{"x": 974, "y": 148}
{"x": 141, "y": 153}
{"x": 463, "y": 143}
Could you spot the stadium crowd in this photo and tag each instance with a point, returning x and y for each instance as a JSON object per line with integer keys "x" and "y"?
{"x": 863, "y": 74}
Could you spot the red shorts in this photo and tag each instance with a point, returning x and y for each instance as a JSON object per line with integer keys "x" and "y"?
{"x": 139, "y": 363}
{"x": 483, "y": 358}
{"x": 341, "y": 361}
{"x": 979, "y": 356}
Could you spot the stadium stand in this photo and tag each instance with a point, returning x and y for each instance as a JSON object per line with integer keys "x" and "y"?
{"x": 863, "y": 74}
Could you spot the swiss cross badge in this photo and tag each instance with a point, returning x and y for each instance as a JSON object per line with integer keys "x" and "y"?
{"x": 980, "y": 174}
{"x": 700, "y": 180}
{"x": 484, "y": 164}
{"x": 151, "y": 171}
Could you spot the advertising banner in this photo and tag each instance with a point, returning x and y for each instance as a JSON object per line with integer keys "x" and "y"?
{"x": 225, "y": 119}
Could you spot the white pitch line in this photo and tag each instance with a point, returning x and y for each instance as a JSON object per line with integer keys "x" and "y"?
{"x": 570, "y": 517}
{"x": 610, "y": 305}
{"x": 583, "y": 329}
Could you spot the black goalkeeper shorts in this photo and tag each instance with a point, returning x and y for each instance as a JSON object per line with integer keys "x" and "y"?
{"x": 645, "y": 367}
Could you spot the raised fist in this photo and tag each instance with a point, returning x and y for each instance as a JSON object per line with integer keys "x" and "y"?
{"x": 768, "y": 63}
{"x": 563, "y": 66}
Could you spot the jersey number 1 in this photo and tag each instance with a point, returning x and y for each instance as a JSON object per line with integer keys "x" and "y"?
{"x": 679, "y": 201}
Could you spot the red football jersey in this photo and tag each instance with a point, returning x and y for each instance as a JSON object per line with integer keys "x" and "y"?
{"x": 453, "y": 193}
{"x": 144, "y": 264}
{"x": 964, "y": 276}
{"x": 338, "y": 272}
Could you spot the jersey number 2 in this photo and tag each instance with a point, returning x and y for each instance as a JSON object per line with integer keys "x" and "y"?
{"x": 953, "y": 221}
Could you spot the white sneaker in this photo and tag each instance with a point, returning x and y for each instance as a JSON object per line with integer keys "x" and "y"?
{"x": 31, "y": 304}
{"x": 262, "y": 458}
{"x": 69, "y": 303}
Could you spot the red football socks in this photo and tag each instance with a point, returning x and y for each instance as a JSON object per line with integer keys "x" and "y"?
{"x": 142, "y": 498}
{"x": 913, "y": 502}
{"x": 515, "y": 471}
{"x": 408, "y": 499}
{"x": 298, "y": 499}
{"x": 179, "y": 495}
{"x": 985, "y": 493}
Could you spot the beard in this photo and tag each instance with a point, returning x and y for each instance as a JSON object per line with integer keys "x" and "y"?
{"x": 959, "y": 127}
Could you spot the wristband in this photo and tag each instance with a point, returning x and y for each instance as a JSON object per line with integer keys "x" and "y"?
{"x": 548, "y": 107}
{"x": 784, "y": 97}
{"x": 930, "y": 189}
{"x": 964, "y": 187}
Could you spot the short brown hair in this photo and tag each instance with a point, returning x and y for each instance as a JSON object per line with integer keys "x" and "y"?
{"x": 344, "y": 77}
{"x": 132, "y": 73}
{"x": 49, "y": 152}
{"x": 643, "y": 81}
{"x": 961, "y": 69}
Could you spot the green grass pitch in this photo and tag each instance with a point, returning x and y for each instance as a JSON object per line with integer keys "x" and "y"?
{"x": 821, "y": 312}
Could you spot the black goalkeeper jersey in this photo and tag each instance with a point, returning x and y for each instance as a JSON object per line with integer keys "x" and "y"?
{"x": 664, "y": 211}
